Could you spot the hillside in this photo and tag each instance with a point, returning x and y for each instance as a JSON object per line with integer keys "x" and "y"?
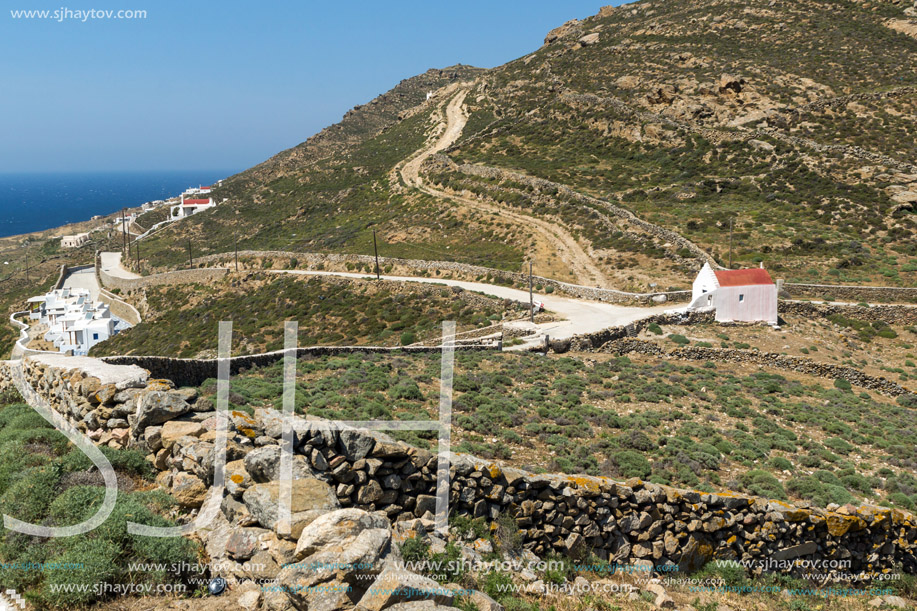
{"x": 792, "y": 121}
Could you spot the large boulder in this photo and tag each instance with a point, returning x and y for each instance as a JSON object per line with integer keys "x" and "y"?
{"x": 156, "y": 407}
{"x": 188, "y": 490}
{"x": 394, "y": 586}
{"x": 311, "y": 498}
{"x": 263, "y": 464}
{"x": 338, "y": 530}
{"x": 174, "y": 429}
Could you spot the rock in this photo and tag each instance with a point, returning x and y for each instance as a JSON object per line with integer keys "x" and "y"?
{"x": 589, "y": 39}
{"x": 369, "y": 493}
{"x": 482, "y": 601}
{"x": 337, "y": 530}
{"x": 243, "y": 543}
{"x": 173, "y": 429}
{"x": 250, "y": 600}
{"x": 660, "y": 298}
{"x": 895, "y": 602}
{"x": 356, "y": 444}
{"x": 315, "y": 590}
{"x": 308, "y": 495}
{"x": 188, "y": 490}
{"x": 394, "y": 586}
{"x": 156, "y": 407}
{"x": 262, "y": 567}
{"x": 237, "y": 478}
{"x": 263, "y": 464}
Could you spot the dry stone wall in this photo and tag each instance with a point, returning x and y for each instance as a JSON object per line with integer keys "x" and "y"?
{"x": 335, "y": 466}
{"x": 193, "y": 372}
{"x": 889, "y": 314}
{"x": 184, "y": 276}
{"x": 318, "y": 261}
{"x": 868, "y": 294}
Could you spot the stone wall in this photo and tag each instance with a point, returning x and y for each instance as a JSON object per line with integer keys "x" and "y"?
{"x": 798, "y": 364}
{"x": 120, "y": 308}
{"x": 193, "y": 372}
{"x": 630, "y": 522}
{"x": 889, "y": 314}
{"x": 183, "y": 276}
{"x": 856, "y": 294}
{"x": 332, "y": 262}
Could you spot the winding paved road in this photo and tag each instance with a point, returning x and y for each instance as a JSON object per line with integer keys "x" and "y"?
{"x": 582, "y": 316}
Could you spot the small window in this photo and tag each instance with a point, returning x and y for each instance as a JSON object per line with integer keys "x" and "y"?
{"x": 95, "y": 336}
{"x": 741, "y": 298}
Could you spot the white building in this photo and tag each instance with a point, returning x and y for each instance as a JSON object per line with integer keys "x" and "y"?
{"x": 746, "y": 295}
{"x": 75, "y": 323}
{"x": 74, "y": 241}
{"x": 188, "y": 207}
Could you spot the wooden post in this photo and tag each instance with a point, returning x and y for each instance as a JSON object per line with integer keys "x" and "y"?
{"x": 731, "y": 220}
{"x": 376, "y": 250}
{"x": 190, "y": 258}
{"x": 235, "y": 239}
{"x": 531, "y": 297}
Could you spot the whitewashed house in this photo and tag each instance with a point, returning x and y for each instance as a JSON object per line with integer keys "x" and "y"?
{"x": 188, "y": 207}
{"x": 74, "y": 241}
{"x": 75, "y": 323}
{"x": 736, "y": 295}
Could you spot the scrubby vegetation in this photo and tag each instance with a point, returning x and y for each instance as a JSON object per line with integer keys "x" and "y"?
{"x": 682, "y": 424}
{"x": 45, "y": 480}
{"x": 182, "y": 320}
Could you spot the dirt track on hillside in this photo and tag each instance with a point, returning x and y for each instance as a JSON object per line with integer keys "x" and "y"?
{"x": 556, "y": 247}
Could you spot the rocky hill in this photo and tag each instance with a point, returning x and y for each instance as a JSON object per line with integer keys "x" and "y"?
{"x": 792, "y": 123}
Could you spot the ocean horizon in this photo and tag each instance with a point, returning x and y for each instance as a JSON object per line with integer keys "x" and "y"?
{"x": 32, "y": 202}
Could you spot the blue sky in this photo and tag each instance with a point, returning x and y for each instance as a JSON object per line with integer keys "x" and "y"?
{"x": 225, "y": 85}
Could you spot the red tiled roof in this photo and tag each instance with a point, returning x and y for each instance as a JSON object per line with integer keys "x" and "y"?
{"x": 743, "y": 277}
{"x": 196, "y": 202}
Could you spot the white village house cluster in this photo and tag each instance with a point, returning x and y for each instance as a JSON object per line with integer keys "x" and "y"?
{"x": 75, "y": 323}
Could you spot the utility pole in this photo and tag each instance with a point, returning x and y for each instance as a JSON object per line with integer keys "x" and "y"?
{"x": 137, "y": 248}
{"x": 190, "y": 259}
{"x": 123, "y": 233}
{"x": 27, "y": 264}
{"x": 531, "y": 297}
{"x": 376, "y": 250}
{"x": 235, "y": 239}
{"x": 731, "y": 220}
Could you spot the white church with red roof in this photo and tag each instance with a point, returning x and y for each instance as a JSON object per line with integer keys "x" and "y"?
{"x": 736, "y": 295}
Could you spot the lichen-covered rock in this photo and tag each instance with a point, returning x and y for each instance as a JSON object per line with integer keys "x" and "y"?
{"x": 310, "y": 498}
{"x": 156, "y": 407}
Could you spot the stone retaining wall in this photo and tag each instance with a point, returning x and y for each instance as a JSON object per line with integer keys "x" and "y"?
{"x": 889, "y": 314}
{"x": 319, "y": 261}
{"x": 183, "y": 276}
{"x": 798, "y": 364}
{"x": 120, "y": 308}
{"x": 193, "y": 372}
{"x": 868, "y": 294}
{"x": 630, "y": 522}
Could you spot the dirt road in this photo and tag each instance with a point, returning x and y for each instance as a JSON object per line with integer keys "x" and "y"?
{"x": 556, "y": 241}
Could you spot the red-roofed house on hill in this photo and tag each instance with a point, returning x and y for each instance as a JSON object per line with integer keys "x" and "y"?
{"x": 187, "y": 207}
{"x": 746, "y": 295}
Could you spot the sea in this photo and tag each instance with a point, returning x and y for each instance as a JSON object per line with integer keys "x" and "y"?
{"x": 39, "y": 201}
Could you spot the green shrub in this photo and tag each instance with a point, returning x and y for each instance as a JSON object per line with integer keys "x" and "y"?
{"x": 679, "y": 339}
{"x": 407, "y": 338}
{"x": 842, "y": 384}
{"x": 654, "y": 328}
{"x": 629, "y": 463}
{"x": 762, "y": 483}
